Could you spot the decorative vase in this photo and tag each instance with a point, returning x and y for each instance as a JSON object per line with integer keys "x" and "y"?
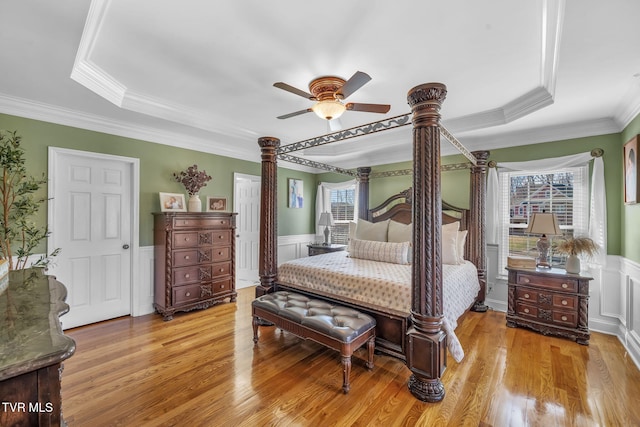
{"x": 194, "y": 204}
{"x": 573, "y": 264}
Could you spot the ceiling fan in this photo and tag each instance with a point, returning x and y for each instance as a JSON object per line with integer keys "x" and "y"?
{"x": 329, "y": 92}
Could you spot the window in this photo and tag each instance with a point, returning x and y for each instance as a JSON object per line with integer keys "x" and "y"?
{"x": 564, "y": 192}
{"x": 343, "y": 211}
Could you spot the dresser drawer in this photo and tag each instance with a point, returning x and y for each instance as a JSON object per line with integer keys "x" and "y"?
{"x": 193, "y": 274}
{"x": 221, "y": 237}
{"x": 220, "y": 269}
{"x": 201, "y": 223}
{"x": 221, "y": 254}
{"x": 224, "y": 285}
{"x": 566, "y": 318}
{"x": 190, "y": 293}
{"x": 185, "y": 239}
{"x": 526, "y": 294}
{"x": 526, "y": 310}
{"x": 556, "y": 283}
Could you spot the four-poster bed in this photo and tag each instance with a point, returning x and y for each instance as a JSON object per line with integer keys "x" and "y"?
{"x": 417, "y": 337}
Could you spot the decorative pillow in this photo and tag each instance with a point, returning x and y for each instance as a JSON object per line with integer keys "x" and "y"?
{"x": 397, "y": 253}
{"x": 372, "y": 231}
{"x": 454, "y": 226}
{"x": 399, "y": 232}
{"x": 462, "y": 238}
{"x": 450, "y": 247}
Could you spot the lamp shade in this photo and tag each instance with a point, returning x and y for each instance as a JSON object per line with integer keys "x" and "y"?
{"x": 326, "y": 219}
{"x": 544, "y": 223}
{"x": 329, "y": 110}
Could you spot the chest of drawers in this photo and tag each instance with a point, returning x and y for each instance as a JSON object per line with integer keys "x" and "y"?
{"x": 194, "y": 260}
{"x": 549, "y": 301}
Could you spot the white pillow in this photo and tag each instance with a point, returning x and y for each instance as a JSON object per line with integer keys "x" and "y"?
{"x": 462, "y": 238}
{"x": 450, "y": 247}
{"x": 372, "y": 231}
{"x": 454, "y": 226}
{"x": 399, "y": 232}
{"x": 397, "y": 253}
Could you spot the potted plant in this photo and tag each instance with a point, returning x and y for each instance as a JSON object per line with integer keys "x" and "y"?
{"x": 193, "y": 180}
{"x": 19, "y": 235}
{"x": 573, "y": 247}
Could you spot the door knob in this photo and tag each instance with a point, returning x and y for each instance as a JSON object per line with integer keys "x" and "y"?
{"x": 125, "y": 246}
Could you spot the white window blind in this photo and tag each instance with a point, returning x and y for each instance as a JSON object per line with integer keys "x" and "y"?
{"x": 343, "y": 211}
{"x": 564, "y": 192}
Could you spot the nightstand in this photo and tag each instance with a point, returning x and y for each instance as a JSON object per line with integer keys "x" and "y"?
{"x": 549, "y": 301}
{"x": 319, "y": 248}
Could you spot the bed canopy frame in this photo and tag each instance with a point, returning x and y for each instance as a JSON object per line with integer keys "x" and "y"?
{"x": 425, "y": 349}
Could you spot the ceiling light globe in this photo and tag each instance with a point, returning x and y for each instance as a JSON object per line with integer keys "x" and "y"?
{"x": 329, "y": 110}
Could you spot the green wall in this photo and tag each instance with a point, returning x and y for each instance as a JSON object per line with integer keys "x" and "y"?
{"x": 157, "y": 163}
{"x": 630, "y": 218}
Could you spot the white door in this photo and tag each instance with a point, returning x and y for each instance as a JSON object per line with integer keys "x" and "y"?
{"x": 91, "y": 221}
{"x": 246, "y": 202}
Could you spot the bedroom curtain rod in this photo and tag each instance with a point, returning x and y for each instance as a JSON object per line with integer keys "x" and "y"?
{"x": 596, "y": 152}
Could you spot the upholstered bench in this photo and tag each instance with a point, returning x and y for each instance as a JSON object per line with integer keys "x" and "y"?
{"x": 340, "y": 328}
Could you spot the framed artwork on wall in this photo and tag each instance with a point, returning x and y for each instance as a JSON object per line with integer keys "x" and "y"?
{"x": 630, "y": 167}
{"x": 296, "y": 198}
{"x": 172, "y": 202}
{"x": 216, "y": 203}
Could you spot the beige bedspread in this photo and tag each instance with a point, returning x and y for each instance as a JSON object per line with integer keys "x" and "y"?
{"x": 383, "y": 286}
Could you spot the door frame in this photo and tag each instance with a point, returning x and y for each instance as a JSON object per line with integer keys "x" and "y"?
{"x": 236, "y": 177}
{"x": 134, "y": 253}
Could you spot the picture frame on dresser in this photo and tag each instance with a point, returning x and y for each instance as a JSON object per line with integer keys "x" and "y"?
{"x": 216, "y": 204}
{"x": 631, "y": 176}
{"x": 172, "y": 202}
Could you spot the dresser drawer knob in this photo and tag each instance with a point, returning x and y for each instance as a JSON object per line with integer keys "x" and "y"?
{"x": 564, "y": 302}
{"x": 186, "y": 257}
{"x": 221, "y": 270}
{"x": 186, "y": 276}
{"x": 188, "y": 294}
{"x": 220, "y": 236}
{"x": 565, "y": 286}
{"x": 222, "y": 287}
{"x": 220, "y": 253}
{"x": 526, "y": 296}
{"x": 186, "y": 239}
{"x": 564, "y": 318}
{"x": 526, "y": 310}
{"x": 525, "y": 280}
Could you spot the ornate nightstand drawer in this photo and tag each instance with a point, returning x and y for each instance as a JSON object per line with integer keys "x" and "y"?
{"x": 526, "y": 310}
{"x": 568, "y": 318}
{"x": 526, "y": 294}
{"x": 556, "y": 283}
{"x": 568, "y": 302}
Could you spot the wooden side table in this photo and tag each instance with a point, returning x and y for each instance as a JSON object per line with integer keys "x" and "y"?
{"x": 549, "y": 301}
{"x": 319, "y": 248}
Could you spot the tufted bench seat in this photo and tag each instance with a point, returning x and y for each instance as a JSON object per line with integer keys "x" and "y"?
{"x": 340, "y": 328}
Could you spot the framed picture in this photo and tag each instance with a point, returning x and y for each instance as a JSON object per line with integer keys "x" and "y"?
{"x": 296, "y": 191}
{"x": 631, "y": 187}
{"x": 172, "y": 202}
{"x": 216, "y": 203}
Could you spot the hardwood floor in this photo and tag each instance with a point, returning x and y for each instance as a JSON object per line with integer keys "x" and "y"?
{"x": 202, "y": 369}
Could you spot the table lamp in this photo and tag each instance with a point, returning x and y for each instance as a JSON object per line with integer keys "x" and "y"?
{"x": 326, "y": 219}
{"x": 545, "y": 224}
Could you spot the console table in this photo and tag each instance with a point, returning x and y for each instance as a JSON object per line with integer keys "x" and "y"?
{"x": 32, "y": 348}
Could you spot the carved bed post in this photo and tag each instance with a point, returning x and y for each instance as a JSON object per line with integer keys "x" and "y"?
{"x": 477, "y": 205}
{"x": 426, "y": 341}
{"x": 268, "y": 262}
{"x": 363, "y": 192}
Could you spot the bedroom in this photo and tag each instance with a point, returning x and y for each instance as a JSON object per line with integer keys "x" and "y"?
{"x": 157, "y": 161}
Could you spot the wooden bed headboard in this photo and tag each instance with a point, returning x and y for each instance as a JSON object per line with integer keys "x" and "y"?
{"x": 398, "y": 208}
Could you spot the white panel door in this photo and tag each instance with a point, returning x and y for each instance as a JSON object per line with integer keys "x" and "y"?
{"x": 91, "y": 223}
{"x": 247, "y": 205}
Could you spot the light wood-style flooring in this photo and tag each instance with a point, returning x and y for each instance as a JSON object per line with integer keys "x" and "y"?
{"x": 202, "y": 369}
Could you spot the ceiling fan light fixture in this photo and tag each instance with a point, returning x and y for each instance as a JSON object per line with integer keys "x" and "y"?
{"x": 329, "y": 109}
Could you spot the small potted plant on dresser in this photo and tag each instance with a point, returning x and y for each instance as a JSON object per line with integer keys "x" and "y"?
{"x": 193, "y": 180}
{"x": 573, "y": 247}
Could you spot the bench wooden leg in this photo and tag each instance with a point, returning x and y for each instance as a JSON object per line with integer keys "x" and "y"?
{"x": 256, "y": 323}
{"x": 346, "y": 371}
{"x": 370, "y": 348}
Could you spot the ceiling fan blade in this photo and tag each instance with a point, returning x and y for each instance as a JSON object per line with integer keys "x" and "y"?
{"x": 294, "y": 90}
{"x": 369, "y": 108}
{"x": 356, "y": 81}
{"x": 295, "y": 113}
